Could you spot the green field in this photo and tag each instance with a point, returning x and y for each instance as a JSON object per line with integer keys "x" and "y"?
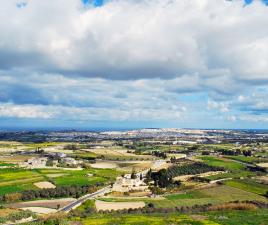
{"x": 232, "y": 217}
{"x": 247, "y": 159}
{"x": 189, "y": 195}
{"x": 80, "y": 177}
{"x": 252, "y": 217}
{"x": 221, "y": 162}
{"x": 213, "y": 195}
{"x": 16, "y": 180}
{"x": 144, "y": 220}
{"x": 41, "y": 145}
{"x": 3, "y": 164}
{"x": 248, "y": 185}
{"x": 236, "y": 169}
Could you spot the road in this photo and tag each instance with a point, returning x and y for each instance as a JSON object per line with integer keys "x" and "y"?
{"x": 81, "y": 200}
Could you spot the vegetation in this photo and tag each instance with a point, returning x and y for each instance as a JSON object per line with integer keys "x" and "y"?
{"x": 234, "y": 217}
{"x": 238, "y": 200}
{"x": 195, "y": 168}
{"x": 248, "y": 159}
{"x": 18, "y": 180}
{"x": 14, "y": 216}
{"x": 248, "y": 185}
{"x": 161, "y": 178}
{"x": 64, "y": 191}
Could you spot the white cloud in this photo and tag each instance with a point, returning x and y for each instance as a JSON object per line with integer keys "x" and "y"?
{"x": 24, "y": 111}
{"x": 132, "y": 60}
{"x": 136, "y": 39}
{"x": 231, "y": 118}
{"x": 221, "y": 106}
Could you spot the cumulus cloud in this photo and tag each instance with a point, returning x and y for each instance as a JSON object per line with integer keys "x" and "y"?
{"x": 133, "y": 60}
{"x": 25, "y": 111}
{"x": 222, "y": 107}
{"x": 137, "y": 39}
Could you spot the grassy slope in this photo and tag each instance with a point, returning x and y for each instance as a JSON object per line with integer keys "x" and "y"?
{"x": 214, "y": 195}
{"x": 236, "y": 169}
{"x": 248, "y": 185}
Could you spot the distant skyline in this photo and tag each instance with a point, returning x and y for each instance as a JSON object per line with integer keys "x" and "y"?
{"x": 123, "y": 64}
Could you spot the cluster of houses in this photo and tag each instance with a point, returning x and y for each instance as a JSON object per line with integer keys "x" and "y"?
{"x": 50, "y": 160}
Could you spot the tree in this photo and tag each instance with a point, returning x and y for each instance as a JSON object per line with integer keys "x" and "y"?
{"x": 150, "y": 205}
{"x": 133, "y": 175}
{"x": 247, "y": 153}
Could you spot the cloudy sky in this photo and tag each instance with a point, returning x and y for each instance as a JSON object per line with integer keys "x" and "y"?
{"x": 134, "y": 63}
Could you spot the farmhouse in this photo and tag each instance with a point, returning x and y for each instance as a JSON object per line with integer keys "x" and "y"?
{"x": 70, "y": 161}
{"x": 126, "y": 184}
{"x": 35, "y": 162}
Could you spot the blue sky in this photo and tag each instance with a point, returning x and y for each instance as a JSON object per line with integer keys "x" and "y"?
{"x": 96, "y": 3}
{"x": 129, "y": 64}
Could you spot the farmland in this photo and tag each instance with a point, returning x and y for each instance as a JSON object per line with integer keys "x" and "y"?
{"x": 16, "y": 180}
{"x": 213, "y": 195}
{"x": 146, "y": 220}
{"x": 252, "y": 217}
{"x": 248, "y": 185}
{"x": 176, "y": 183}
{"x": 236, "y": 169}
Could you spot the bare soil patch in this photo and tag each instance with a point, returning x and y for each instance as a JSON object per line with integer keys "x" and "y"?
{"x": 44, "y": 185}
{"x": 55, "y": 175}
{"x": 40, "y": 210}
{"x": 102, "y": 205}
{"x": 53, "y": 204}
{"x": 104, "y": 165}
{"x": 264, "y": 165}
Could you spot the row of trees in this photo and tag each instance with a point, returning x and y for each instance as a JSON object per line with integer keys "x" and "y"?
{"x": 164, "y": 177}
{"x": 235, "y": 152}
{"x": 159, "y": 154}
{"x": 191, "y": 169}
{"x": 63, "y": 191}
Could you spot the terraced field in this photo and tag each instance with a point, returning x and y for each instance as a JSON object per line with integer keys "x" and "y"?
{"x": 236, "y": 169}
{"x": 213, "y": 195}
{"x": 248, "y": 185}
{"x": 13, "y": 180}
{"x": 16, "y": 180}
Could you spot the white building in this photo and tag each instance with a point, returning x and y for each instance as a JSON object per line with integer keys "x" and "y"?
{"x": 71, "y": 161}
{"x": 35, "y": 162}
{"x": 126, "y": 184}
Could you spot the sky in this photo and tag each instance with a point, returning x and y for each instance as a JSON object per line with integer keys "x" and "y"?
{"x": 117, "y": 64}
